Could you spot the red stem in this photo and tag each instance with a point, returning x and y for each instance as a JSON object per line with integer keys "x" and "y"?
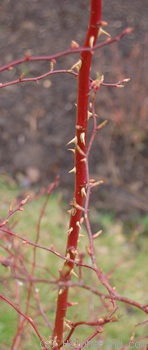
{"x": 79, "y": 169}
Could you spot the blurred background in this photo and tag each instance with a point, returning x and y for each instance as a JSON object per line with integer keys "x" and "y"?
{"x": 36, "y": 121}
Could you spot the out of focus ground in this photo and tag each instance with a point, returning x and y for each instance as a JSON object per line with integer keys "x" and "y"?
{"x": 36, "y": 121}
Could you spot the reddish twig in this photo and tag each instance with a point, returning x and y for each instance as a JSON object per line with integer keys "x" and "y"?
{"x": 38, "y": 78}
{"x": 70, "y": 51}
{"x": 26, "y": 317}
{"x": 99, "y": 323}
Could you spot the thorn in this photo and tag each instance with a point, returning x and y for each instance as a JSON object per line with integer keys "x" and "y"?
{"x": 101, "y": 78}
{"x": 80, "y": 150}
{"x": 73, "y": 211}
{"x": 65, "y": 270}
{"x": 69, "y": 211}
{"x": 25, "y": 200}
{"x": 67, "y": 324}
{"x": 81, "y": 220}
{"x": 76, "y": 205}
{"x": 78, "y": 224}
{"x": 72, "y": 303}
{"x": 104, "y": 23}
{"x": 71, "y": 149}
{"x": 77, "y": 66}
{"x": 83, "y": 192}
{"x": 97, "y": 183}
{"x": 72, "y": 170}
{"x": 74, "y": 273}
{"x": 70, "y": 230}
{"x": 79, "y": 207}
{"x": 102, "y": 31}
{"x": 83, "y": 160}
{"x": 97, "y": 234}
{"x": 82, "y": 137}
{"x": 61, "y": 291}
{"x": 67, "y": 256}
{"x": 91, "y": 41}
{"x": 74, "y": 140}
{"x": 89, "y": 115}
{"x": 74, "y": 45}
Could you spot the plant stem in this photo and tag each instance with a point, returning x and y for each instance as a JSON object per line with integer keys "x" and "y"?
{"x": 79, "y": 168}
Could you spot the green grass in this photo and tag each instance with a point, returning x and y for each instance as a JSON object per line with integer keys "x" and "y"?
{"x": 121, "y": 253}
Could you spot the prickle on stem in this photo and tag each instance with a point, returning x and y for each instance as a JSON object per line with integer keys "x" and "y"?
{"x": 78, "y": 224}
{"x": 74, "y": 140}
{"x": 77, "y": 66}
{"x": 91, "y": 41}
{"x": 70, "y": 230}
{"x": 83, "y": 192}
{"x": 71, "y": 150}
{"x": 73, "y": 170}
{"x": 82, "y": 137}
